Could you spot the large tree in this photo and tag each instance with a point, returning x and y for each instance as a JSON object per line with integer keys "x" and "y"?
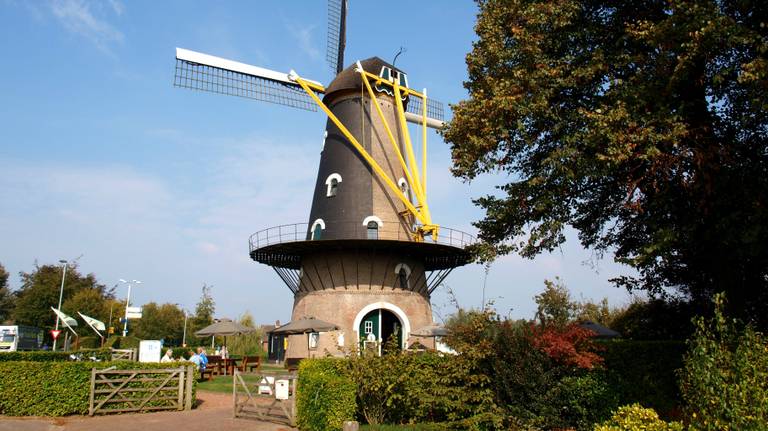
{"x": 160, "y": 322}
{"x": 642, "y": 124}
{"x": 40, "y": 291}
{"x": 204, "y": 311}
{"x": 7, "y": 298}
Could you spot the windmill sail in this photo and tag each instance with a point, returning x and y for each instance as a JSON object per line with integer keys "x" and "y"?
{"x": 435, "y": 112}
{"x": 337, "y": 37}
{"x": 205, "y": 72}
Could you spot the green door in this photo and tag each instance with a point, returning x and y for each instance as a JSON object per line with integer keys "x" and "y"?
{"x": 369, "y": 325}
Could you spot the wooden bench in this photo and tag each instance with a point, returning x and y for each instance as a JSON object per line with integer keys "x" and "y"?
{"x": 250, "y": 363}
{"x": 206, "y": 374}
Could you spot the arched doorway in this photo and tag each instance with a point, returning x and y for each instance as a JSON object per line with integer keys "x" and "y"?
{"x": 380, "y": 329}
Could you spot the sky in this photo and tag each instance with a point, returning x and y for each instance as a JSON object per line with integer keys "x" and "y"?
{"x": 104, "y": 161}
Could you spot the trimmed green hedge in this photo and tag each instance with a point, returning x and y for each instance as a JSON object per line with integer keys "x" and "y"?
{"x": 325, "y": 398}
{"x": 128, "y": 342}
{"x": 644, "y": 372}
{"x": 48, "y": 356}
{"x": 52, "y": 388}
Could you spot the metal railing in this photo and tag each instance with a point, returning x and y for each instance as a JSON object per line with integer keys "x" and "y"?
{"x": 391, "y": 230}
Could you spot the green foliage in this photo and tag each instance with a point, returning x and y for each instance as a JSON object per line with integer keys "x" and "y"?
{"x": 160, "y": 322}
{"x": 7, "y": 298}
{"x": 554, "y": 305}
{"x": 40, "y": 289}
{"x": 116, "y": 342}
{"x": 89, "y": 342}
{"x": 725, "y": 379}
{"x": 644, "y": 372}
{"x": 325, "y": 398}
{"x": 48, "y": 356}
{"x": 642, "y": 125}
{"x": 35, "y": 356}
{"x": 89, "y": 301}
{"x": 530, "y": 371}
{"x": 655, "y": 319}
{"x": 636, "y": 418}
{"x": 246, "y": 344}
{"x": 204, "y": 311}
{"x": 578, "y": 402}
{"x": 50, "y": 388}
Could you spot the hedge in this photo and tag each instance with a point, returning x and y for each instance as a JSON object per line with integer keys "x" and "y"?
{"x": 644, "y": 372}
{"x": 48, "y": 356}
{"x": 128, "y": 342}
{"x": 325, "y": 398}
{"x": 52, "y": 388}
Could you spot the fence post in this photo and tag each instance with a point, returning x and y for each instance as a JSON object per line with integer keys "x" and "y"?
{"x": 93, "y": 390}
{"x": 190, "y": 378}
{"x": 182, "y": 381}
{"x": 234, "y": 393}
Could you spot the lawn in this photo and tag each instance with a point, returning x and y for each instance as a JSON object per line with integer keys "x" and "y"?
{"x": 224, "y": 383}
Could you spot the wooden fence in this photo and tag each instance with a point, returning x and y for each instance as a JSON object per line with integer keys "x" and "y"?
{"x": 267, "y": 397}
{"x": 123, "y": 354}
{"x": 121, "y": 391}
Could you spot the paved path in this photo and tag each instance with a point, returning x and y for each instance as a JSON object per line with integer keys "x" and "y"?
{"x": 213, "y": 413}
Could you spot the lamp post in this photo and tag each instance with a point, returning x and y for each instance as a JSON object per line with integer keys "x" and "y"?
{"x": 61, "y": 295}
{"x": 127, "y": 303}
{"x": 186, "y": 315}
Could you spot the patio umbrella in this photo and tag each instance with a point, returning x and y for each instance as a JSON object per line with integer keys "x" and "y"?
{"x": 599, "y": 330}
{"x": 306, "y": 325}
{"x": 434, "y": 330}
{"x": 224, "y": 328}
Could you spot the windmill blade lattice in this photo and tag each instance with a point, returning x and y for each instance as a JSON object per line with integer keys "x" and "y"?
{"x": 435, "y": 108}
{"x": 334, "y": 55}
{"x": 222, "y": 81}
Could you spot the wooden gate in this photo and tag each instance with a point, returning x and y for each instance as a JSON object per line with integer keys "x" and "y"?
{"x": 121, "y": 391}
{"x": 267, "y": 397}
{"x": 123, "y": 354}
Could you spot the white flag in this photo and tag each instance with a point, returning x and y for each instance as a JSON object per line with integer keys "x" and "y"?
{"x": 95, "y": 324}
{"x": 66, "y": 319}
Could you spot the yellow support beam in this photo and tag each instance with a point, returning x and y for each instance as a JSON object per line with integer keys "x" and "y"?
{"x": 424, "y": 144}
{"x": 409, "y": 148}
{"x": 392, "y": 139}
{"x": 360, "y": 149}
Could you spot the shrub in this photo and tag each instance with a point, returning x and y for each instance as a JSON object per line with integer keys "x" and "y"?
{"x": 578, "y": 401}
{"x": 725, "y": 379}
{"x": 644, "y": 372}
{"x": 325, "y": 397}
{"x": 35, "y": 356}
{"x": 636, "y": 418}
{"x": 88, "y": 342}
{"x": 50, "y": 388}
{"x": 128, "y": 342}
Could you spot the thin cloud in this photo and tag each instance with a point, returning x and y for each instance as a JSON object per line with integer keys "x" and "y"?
{"x": 77, "y": 16}
{"x": 303, "y": 36}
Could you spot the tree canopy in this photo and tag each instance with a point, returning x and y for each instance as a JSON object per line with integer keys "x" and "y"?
{"x": 204, "y": 311}
{"x": 40, "y": 290}
{"x": 641, "y": 124}
{"x": 7, "y": 298}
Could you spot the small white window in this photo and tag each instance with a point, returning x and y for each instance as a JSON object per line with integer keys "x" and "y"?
{"x": 332, "y": 182}
{"x": 368, "y": 327}
{"x": 403, "y": 185}
{"x": 317, "y": 229}
{"x": 372, "y": 225}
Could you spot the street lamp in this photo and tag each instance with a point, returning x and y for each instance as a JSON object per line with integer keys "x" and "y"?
{"x": 127, "y": 303}
{"x": 61, "y": 295}
{"x": 184, "y": 337}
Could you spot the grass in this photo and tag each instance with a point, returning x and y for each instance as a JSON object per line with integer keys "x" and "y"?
{"x": 224, "y": 383}
{"x": 414, "y": 427}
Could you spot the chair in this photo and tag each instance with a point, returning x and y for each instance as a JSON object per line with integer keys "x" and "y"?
{"x": 215, "y": 364}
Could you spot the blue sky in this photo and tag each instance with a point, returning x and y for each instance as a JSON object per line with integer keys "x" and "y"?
{"x": 101, "y": 156}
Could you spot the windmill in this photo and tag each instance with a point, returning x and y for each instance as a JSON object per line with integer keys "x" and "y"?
{"x": 370, "y": 255}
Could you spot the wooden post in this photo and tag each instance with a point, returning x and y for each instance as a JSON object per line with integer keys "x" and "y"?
{"x": 293, "y": 400}
{"x": 92, "y": 397}
{"x": 190, "y": 381}
{"x": 234, "y": 394}
{"x": 182, "y": 380}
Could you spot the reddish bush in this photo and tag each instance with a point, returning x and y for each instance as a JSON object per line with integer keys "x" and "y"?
{"x": 570, "y": 345}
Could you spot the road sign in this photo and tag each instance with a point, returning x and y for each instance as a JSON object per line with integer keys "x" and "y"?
{"x": 55, "y": 333}
{"x": 133, "y": 315}
{"x": 133, "y": 310}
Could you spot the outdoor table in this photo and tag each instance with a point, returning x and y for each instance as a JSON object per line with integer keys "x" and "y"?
{"x": 229, "y": 365}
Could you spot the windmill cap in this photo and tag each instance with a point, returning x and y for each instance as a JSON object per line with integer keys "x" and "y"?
{"x": 349, "y": 79}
